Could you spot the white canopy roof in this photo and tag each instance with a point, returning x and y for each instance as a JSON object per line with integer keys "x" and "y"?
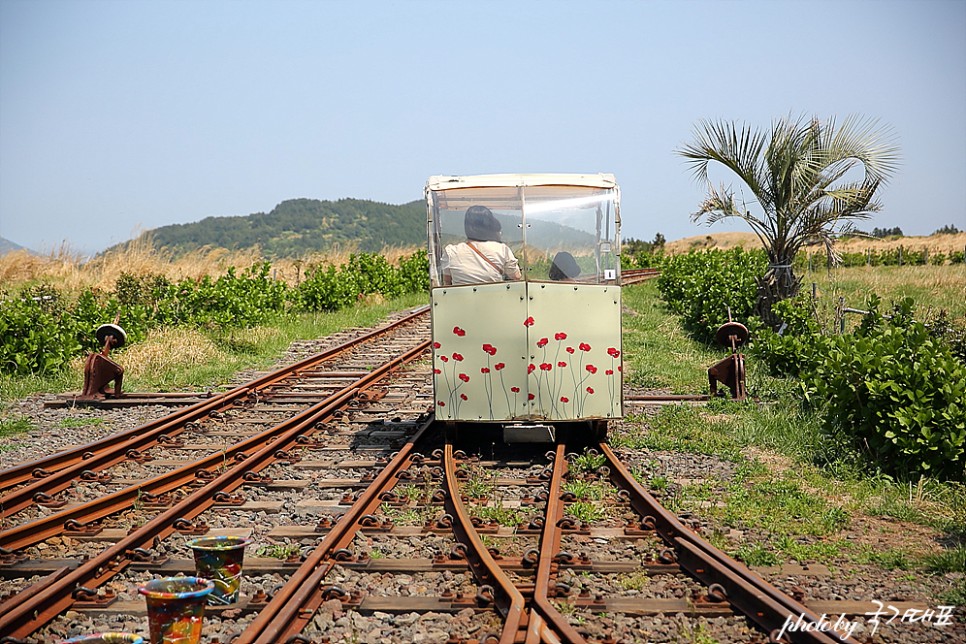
{"x": 447, "y": 182}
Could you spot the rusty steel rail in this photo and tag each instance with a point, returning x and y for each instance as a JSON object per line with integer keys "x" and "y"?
{"x": 81, "y": 517}
{"x": 508, "y": 599}
{"x": 758, "y": 600}
{"x": 104, "y": 452}
{"x": 638, "y": 275}
{"x": 549, "y": 548}
{"x": 292, "y": 606}
{"x": 30, "y": 610}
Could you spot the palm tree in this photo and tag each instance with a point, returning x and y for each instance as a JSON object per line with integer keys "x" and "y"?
{"x": 809, "y": 179}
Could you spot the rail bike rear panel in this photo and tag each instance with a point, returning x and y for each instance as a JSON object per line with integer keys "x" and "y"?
{"x": 545, "y": 348}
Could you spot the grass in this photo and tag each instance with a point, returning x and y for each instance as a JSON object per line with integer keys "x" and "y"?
{"x": 13, "y": 426}
{"x": 69, "y": 270}
{"x": 510, "y": 517}
{"x": 68, "y": 423}
{"x": 588, "y": 462}
{"x": 680, "y": 428}
{"x": 637, "y": 580}
{"x": 586, "y": 512}
{"x": 933, "y": 288}
{"x": 281, "y": 551}
{"x": 585, "y": 490}
{"x": 478, "y": 485}
{"x": 179, "y": 359}
{"x": 779, "y": 505}
{"x": 407, "y": 515}
{"x": 658, "y": 354}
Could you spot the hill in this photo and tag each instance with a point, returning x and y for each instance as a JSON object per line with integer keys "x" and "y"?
{"x": 301, "y": 226}
{"x": 7, "y": 246}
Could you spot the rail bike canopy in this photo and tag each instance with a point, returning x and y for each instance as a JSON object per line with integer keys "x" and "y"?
{"x": 541, "y": 216}
{"x": 540, "y": 345}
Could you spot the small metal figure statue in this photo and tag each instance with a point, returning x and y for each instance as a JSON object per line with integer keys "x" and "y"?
{"x": 100, "y": 370}
{"x": 731, "y": 371}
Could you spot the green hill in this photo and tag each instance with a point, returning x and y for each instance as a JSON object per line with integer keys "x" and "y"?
{"x": 299, "y": 226}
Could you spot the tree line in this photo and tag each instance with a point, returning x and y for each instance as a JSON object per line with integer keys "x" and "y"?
{"x": 297, "y": 227}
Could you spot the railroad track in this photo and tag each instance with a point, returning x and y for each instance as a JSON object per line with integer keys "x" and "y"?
{"x": 334, "y": 466}
{"x": 637, "y": 275}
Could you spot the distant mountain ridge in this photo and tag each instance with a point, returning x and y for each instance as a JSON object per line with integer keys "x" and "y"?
{"x": 7, "y": 246}
{"x": 299, "y": 226}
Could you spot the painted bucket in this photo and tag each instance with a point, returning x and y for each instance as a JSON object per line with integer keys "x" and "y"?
{"x": 106, "y": 638}
{"x": 176, "y": 607}
{"x": 220, "y": 560}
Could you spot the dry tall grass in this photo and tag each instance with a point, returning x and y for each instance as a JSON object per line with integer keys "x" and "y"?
{"x": 70, "y": 271}
{"x": 933, "y": 243}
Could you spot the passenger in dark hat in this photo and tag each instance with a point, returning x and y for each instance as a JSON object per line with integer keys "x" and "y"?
{"x": 483, "y": 257}
{"x": 564, "y": 267}
{"x": 481, "y": 225}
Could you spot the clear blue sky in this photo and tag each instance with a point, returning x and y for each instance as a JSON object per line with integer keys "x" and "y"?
{"x": 117, "y": 117}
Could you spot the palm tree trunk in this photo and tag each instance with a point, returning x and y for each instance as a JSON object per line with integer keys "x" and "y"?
{"x": 778, "y": 283}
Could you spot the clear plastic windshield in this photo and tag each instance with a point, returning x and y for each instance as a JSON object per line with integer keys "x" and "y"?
{"x": 552, "y": 233}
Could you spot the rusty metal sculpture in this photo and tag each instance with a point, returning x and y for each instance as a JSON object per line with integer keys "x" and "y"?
{"x": 731, "y": 371}
{"x": 100, "y": 370}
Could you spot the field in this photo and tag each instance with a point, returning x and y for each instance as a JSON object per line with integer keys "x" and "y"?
{"x": 934, "y": 243}
{"x": 72, "y": 272}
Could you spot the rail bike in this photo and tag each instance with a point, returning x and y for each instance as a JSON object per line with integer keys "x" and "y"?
{"x": 526, "y": 302}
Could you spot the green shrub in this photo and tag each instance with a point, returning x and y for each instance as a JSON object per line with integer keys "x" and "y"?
{"x": 898, "y": 393}
{"x": 797, "y": 346}
{"x": 38, "y": 333}
{"x": 414, "y": 272}
{"x": 643, "y": 259}
{"x": 326, "y": 288}
{"x": 41, "y": 330}
{"x": 703, "y": 285}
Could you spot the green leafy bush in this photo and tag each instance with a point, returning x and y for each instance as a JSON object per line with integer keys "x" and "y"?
{"x": 41, "y": 330}
{"x": 38, "y": 333}
{"x": 797, "y": 346}
{"x": 702, "y": 285}
{"x": 643, "y": 259}
{"x": 326, "y": 288}
{"x": 414, "y": 272}
{"x": 898, "y": 393}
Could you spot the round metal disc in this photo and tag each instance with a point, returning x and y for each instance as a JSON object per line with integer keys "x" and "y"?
{"x": 740, "y": 331}
{"x": 120, "y": 337}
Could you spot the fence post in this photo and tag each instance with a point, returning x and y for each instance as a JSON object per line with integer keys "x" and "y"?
{"x": 900, "y": 255}
{"x": 840, "y": 314}
{"x": 868, "y": 257}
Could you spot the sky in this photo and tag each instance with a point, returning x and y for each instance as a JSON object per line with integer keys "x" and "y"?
{"x": 118, "y": 117}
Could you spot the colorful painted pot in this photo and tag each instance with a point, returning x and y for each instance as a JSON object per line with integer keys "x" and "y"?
{"x": 106, "y": 638}
{"x": 220, "y": 560}
{"x": 176, "y": 607}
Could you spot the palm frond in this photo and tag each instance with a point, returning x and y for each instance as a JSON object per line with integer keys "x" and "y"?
{"x": 802, "y": 173}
